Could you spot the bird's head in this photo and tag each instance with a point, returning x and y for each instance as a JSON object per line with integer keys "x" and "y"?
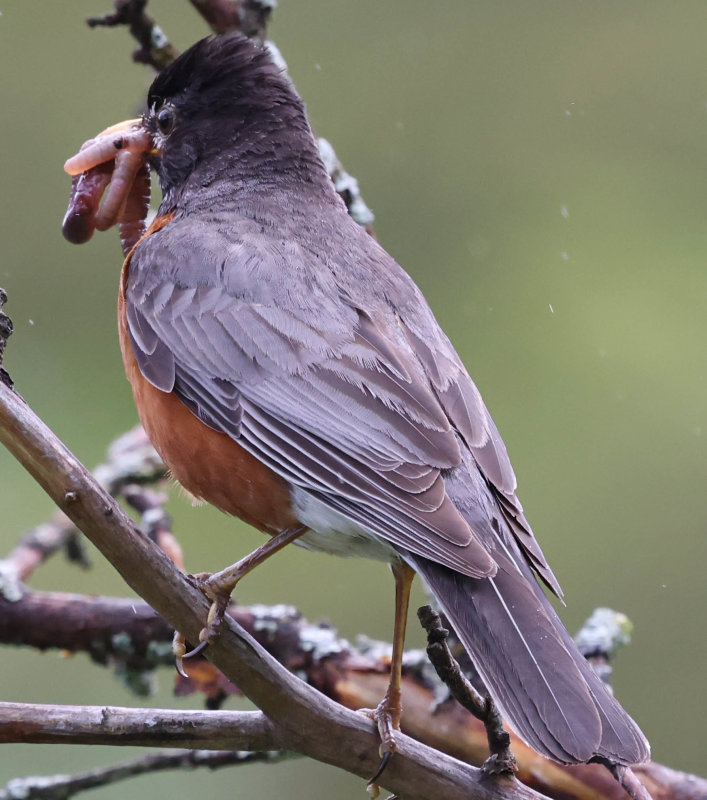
{"x": 223, "y": 104}
{"x": 221, "y": 117}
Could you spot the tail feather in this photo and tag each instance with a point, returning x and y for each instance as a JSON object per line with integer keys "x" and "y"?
{"x": 542, "y": 684}
{"x": 622, "y": 741}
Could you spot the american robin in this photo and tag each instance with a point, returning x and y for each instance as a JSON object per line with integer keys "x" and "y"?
{"x": 292, "y": 374}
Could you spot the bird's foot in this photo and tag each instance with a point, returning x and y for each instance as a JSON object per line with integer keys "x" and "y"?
{"x": 219, "y": 586}
{"x": 386, "y": 715}
{"x": 220, "y": 597}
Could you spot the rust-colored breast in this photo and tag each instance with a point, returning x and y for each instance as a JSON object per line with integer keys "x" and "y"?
{"x": 208, "y": 464}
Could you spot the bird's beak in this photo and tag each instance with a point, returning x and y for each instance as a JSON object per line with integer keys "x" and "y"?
{"x": 130, "y": 134}
{"x": 120, "y": 127}
{"x": 128, "y": 125}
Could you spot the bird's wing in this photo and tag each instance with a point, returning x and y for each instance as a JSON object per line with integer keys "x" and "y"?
{"x": 467, "y": 412}
{"x": 354, "y": 412}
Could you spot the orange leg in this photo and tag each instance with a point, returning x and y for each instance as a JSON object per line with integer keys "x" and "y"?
{"x": 388, "y": 712}
{"x": 219, "y": 587}
{"x": 224, "y": 582}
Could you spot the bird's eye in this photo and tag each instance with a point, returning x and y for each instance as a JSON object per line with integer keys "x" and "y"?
{"x": 165, "y": 120}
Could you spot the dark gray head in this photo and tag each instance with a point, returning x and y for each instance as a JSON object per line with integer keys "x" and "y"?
{"x": 225, "y": 108}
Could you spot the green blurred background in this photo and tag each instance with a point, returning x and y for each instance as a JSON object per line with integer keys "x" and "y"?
{"x": 539, "y": 168}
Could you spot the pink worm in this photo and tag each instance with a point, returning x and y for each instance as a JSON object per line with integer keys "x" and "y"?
{"x": 115, "y": 160}
{"x": 86, "y": 190}
{"x": 132, "y": 220}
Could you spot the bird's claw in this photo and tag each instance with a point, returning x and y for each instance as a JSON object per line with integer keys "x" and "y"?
{"x": 386, "y": 715}
{"x": 214, "y": 622}
{"x": 179, "y": 650}
{"x": 209, "y": 633}
{"x": 373, "y": 781}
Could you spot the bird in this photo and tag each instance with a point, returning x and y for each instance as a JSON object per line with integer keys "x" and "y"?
{"x": 292, "y": 374}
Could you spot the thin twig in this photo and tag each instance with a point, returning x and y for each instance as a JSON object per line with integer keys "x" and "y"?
{"x": 251, "y": 17}
{"x": 132, "y": 461}
{"x": 628, "y": 779}
{"x": 501, "y": 760}
{"x": 5, "y": 333}
{"x": 35, "y": 547}
{"x": 61, "y": 787}
{"x": 155, "y": 48}
{"x": 601, "y": 636}
{"x": 155, "y": 522}
{"x": 346, "y": 186}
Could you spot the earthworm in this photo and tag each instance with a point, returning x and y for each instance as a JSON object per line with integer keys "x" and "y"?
{"x": 127, "y": 165}
{"x": 115, "y": 159}
{"x": 132, "y": 220}
{"x": 86, "y": 190}
{"x": 106, "y": 145}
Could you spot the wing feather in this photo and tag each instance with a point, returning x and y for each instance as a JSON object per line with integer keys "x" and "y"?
{"x": 366, "y": 408}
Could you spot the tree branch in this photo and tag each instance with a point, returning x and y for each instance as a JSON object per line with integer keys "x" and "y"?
{"x": 315, "y": 725}
{"x": 5, "y": 333}
{"x": 253, "y": 731}
{"x": 155, "y": 48}
{"x": 248, "y": 16}
{"x": 130, "y": 633}
{"x": 132, "y": 462}
{"x": 60, "y": 787}
{"x": 35, "y": 723}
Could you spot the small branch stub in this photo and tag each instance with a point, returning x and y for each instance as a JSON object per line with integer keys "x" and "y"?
{"x": 501, "y": 760}
{"x": 155, "y": 48}
{"x": 248, "y": 16}
{"x": 6, "y": 329}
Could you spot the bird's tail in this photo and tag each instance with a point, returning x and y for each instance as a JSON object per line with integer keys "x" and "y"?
{"x": 543, "y": 686}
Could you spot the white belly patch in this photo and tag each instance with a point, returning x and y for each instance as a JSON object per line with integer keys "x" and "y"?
{"x": 331, "y": 532}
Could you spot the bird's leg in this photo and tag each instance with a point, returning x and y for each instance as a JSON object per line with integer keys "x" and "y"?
{"x": 219, "y": 586}
{"x": 387, "y": 713}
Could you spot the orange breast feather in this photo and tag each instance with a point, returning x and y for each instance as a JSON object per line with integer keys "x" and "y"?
{"x": 208, "y": 464}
